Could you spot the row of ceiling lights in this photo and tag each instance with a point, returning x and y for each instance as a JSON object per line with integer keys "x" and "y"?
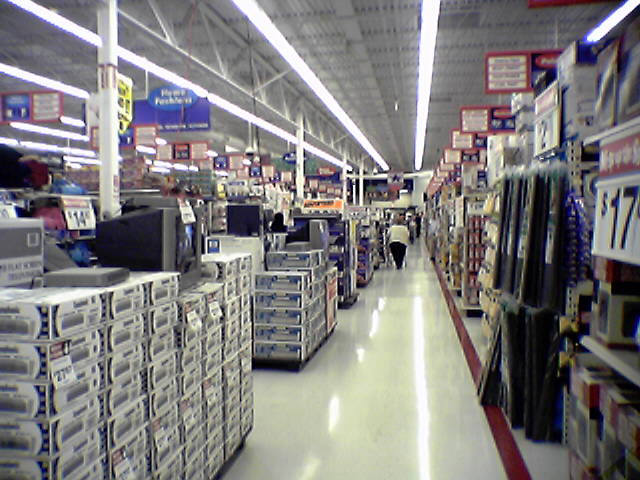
{"x": 430, "y": 11}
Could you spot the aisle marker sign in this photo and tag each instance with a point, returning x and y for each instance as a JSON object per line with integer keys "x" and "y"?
{"x": 395, "y": 181}
{"x": 516, "y": 71}
{"x": 617, "y": 226}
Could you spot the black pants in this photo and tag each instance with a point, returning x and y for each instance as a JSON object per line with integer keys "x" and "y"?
{"x": 398, "y": 250}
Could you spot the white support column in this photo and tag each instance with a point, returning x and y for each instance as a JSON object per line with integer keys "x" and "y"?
{"x": 344, "y": 181}
{"x": 108, "y": 93}
{"x": 300, "y": 158}
{"x": 354, "y": 199}
{"x": 361, "y": 183}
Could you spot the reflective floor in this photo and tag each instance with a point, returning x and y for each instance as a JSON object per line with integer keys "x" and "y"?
{"x": 389, "y": 396}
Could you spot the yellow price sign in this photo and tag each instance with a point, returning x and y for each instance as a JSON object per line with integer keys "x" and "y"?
{"x": 125, "y": 103}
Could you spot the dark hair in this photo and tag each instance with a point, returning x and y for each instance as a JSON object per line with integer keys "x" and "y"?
{"x": 278, "y": 226}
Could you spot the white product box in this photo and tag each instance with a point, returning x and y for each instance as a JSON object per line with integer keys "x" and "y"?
{"x": 36, "y": 361}
{"x": 215, "y": 461}
{"x": 191, "y": 381}
{"x": 163, "y": 445}
{"x": 231, "y": 402}
{"x": 232, "y": 440}
{"x": 286, "y": 281}
{"x": 231, "y": 328}
{"x": 38, "y": 399}
{"x": 220, "y": 267}
{"x": 128, "y": 421}
{"x": 215, "y": 290}
{"x": 280, "y": 333}
{"x": 186, "y": 337}
{"x": 192, "y": 310}
{"x": 97, "y": 470}
{"x": 229, "y": 291}
{"x": 231, "y": 309}
{"x": 231, "y": 369}
{"x": 276, "y": 299}
{"x": 214, "y": 442}
{"x": 172, "y": 469}
{"x": 120, "y": 395}
{"x": 193, "y": 447}
{"x": 49, "y": 436}
{"x": 165, "y": 419}
{"x": 194, "y": 464}
{"x": 244, "y": 284}
{"x": 72, "y": 463}
{"x": 190, "y": 415}
{"x": 48, "y": 313}
{"x": 230, "y": 348}
{"x": 212, "y": 340}
{"x": 162, "y": 317}
{"x": 245, "y": 366}
{"x": 160, "y": 370}
{"x": 212, "y": 362}
{"x": 130, "y": 459}
{"x": 215, "y": 422}
{"x": 164, "y": 397}
{"x": 161, "y": 344}
{"x": 578, "y": 104}
{"x": 123, "y": 364}
{"x": 246, "y": 351}
{"x": 317, "y": 274}
{"x": 245, "y": 305}
{"x": 124, "y": 333}
{"x": 246, "y": 423}
{"x": 125, "y": 298}
{"x": 246, "y": 388}
{"x": 162, "y": 287}
{"x": 280, "y": 316}
{"x": 212, "y": 391}
{"x": 615, "y": 320}
{"x": 280, "y": 351}
{"x": 246, "y": 335}
{"x": 318, "y": 289}
{"x": 288, "y": 260}
{"x": 190, "y": 358}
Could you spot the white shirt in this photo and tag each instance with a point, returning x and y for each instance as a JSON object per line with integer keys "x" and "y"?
{"x": 399, "y": 233}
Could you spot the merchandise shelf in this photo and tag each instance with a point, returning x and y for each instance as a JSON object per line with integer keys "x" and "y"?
{"x": 625, "y": 362}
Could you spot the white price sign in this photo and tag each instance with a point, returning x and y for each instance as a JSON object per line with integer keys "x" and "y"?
{"x": 194, "y": 320}
{"x": 187, "y": 213}
{"x": 7, "y": 211}
{"x": 62, "y": 372}
{"x": 617, "y": 228}
{"x": 78, "y": 212}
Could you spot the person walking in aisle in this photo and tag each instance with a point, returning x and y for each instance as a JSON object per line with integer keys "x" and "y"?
{"x": 398, "y": 241}
{"x": 418, "y": 224}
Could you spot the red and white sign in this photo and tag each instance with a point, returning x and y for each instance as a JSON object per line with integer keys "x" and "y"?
{"x": 547, "y": 121}
{"x": 286, "y": 176}
{"x": 474, "y": 119}
{"x": 620, "y": 156}
{"x": 395, "y": 181}
{"x": 145, "y": 135}
{"x": 452, "y": 156}
{"x": 462, "y": 140}
{"x": 515, "y": 71}
{"x": 47, "y": 106}
{"x": 326, "y": 171}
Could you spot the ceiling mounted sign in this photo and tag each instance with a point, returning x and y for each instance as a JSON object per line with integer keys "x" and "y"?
{"x": 516, "y": 71}
{"x": 174, "y": 109}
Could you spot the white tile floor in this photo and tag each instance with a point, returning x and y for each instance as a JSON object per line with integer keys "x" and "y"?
{"x": 389, "y": 396}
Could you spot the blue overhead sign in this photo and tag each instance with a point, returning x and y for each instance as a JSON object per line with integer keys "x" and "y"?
{"x": 171, "y": 98}
{"x": 173, "y": 109}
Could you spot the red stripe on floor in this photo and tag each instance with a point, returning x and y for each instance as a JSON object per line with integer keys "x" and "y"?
{"x": 512, "y": 461}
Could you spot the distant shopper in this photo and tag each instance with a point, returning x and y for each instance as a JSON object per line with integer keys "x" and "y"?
{"x": 398, "y": 241}
{"x": 278, "y": 226}
{"x": 418, "y": 224}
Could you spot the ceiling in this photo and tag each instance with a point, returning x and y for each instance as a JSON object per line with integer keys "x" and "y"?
{"x": 364, "y": 51}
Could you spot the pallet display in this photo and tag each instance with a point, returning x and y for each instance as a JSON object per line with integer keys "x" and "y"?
{"x": 139, "y": 386}
{"x": 366, "y": 249}
{"x": 290, "y": 309}
{"x": 474, "y": 249}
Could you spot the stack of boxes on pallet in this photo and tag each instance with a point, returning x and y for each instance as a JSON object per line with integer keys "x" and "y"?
{"x": 51, "y": 376}
{"x": 332, "y": 298}
{"x": 364, "y": 270}
{"x": 290, "y": 306}
{"x": 119, "y": 382}
{"x": 234, "y": 272}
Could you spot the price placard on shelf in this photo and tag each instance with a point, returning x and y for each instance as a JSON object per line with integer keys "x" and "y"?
{"x": 7, "y": 211}
{"x": 548, "y": 120}
{"x": 617, "y": 228}
{"x": 78, "y": 212}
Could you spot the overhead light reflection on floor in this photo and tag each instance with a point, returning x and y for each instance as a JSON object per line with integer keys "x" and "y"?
{"x": 310, "y": 468}
{"x": 422, "y": 396}
{"x": 334, "y": 412}
{"x": 375, "y": 323}
{"x": 360, "y": 354}
{"x": 381, "y": 303}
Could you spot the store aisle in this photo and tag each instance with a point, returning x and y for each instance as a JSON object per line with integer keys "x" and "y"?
{"x": 388, "y": 397}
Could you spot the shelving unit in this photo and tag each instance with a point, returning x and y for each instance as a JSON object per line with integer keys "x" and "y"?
{"x": 626, "y": 363}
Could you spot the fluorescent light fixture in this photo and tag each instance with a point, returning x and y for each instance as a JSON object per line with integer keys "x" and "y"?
{"x": 264, "y": 25}
{"x": 81, "y": 160}
{"x": 611, "y": 21}
{"x": 12, "y": 142}
{"x": 222, "y": 173}
{"x": 158, "y": 163}
{"x": 324, "y": 155}
{"x": 148, "y": 162}
{"x": 73, "y": 122}
{"x": 47, "y": 147}
{"x": 43, "y": 81}
{"x": 160, "y": 169}
{"x": 170, "y": 77}
{"x": 212, "y": 153}
{"x": 428, "y": 31}
{"x": 160, "y": 141}
{"x": 227, "y": 148}
{"x": 59, "y": 21}
{"x": 180, "y": 166}
{"x": 193, "y": 168}
{"x": 75, "y": 166}
{"x": 54, "y": 132}
{"x": 246, "y": 162}
{"x": 147, "y": 150}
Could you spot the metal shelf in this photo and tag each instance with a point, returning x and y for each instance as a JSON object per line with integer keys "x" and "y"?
{"x": 625, "y": 362}
{"x": 632, "y": 124}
